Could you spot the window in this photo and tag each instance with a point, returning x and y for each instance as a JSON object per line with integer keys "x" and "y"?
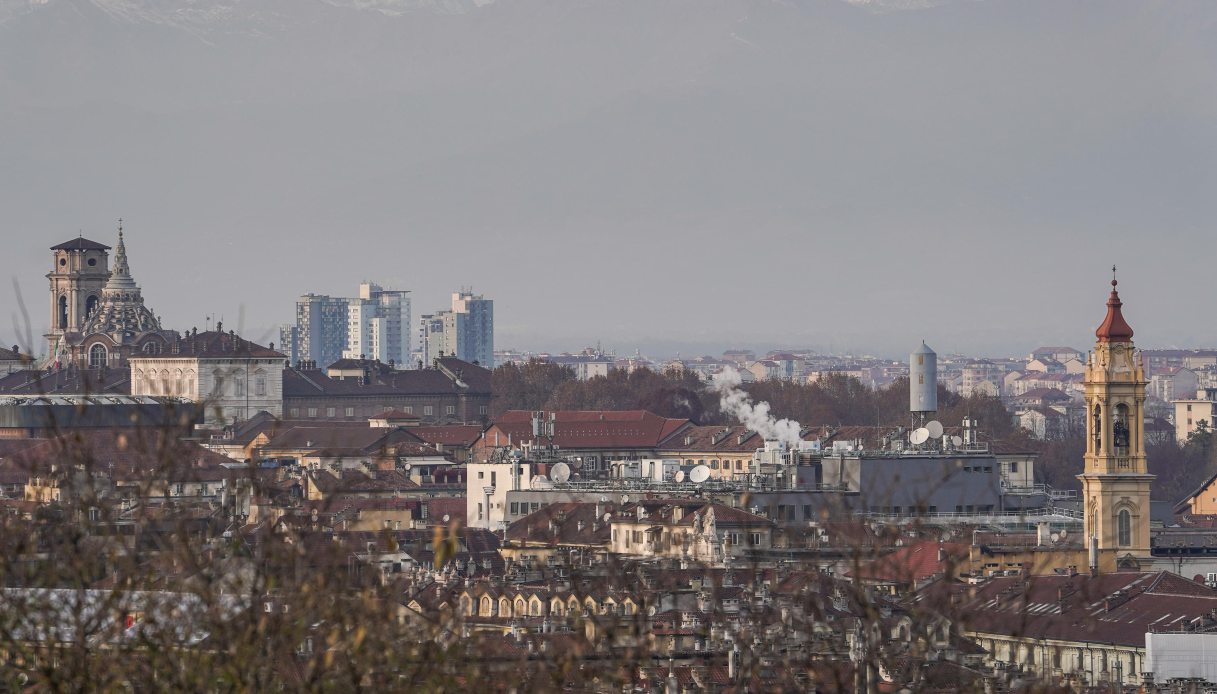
{"x": 238, "y": 385}
{"x": 408, "y": 409}
{"x": 312, "y": 412}
{"x": 295, "y": 412}
{"x": 1124, "y": 527}
{"x": 260, "y": 385}
{"x": 329, "y": 412}
{"x": 1014, "y": 466}
{"x": 451, "y": 409}
{"x": 482, "y": 409}
{"x": 428, "y": 411}
{"x": 479, "y": 510}
{"x": 350, "y": 412}
{"x": 515, "y": 508}
{"x": 63, "y": 307}
{"x": 97, "y": 356}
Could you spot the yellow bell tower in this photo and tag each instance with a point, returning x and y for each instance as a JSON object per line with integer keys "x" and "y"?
{"x": 1115, "y": 482}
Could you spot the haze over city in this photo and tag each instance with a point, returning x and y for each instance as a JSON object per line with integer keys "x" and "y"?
{"x": 672, "y": 176}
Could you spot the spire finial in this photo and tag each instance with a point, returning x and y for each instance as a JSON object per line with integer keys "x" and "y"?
{"x": 120, "y": 228}
{"x": 1113, "y": 275}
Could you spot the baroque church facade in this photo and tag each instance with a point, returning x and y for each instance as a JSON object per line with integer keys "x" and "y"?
{"x": 98, "y": 317}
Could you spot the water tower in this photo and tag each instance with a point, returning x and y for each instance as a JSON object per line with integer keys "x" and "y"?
{"x": 923, "y": 381}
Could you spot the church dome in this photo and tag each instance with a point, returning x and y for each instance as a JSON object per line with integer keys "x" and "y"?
{"x": 121, "y": 313}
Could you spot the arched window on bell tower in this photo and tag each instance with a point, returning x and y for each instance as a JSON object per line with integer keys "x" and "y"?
{"x": 1124, "y": 528}
{"x": 63, "y": 312}
{"x": 1119, "y": 430}
{"x": 1098, "y": 429}
{"x": 91, "y": 306}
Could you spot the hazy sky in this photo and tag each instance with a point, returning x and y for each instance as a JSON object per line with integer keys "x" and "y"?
{"x": 670, "y": 174}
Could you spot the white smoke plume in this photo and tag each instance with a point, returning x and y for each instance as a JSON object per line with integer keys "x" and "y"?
{"x": 756, "y": 417}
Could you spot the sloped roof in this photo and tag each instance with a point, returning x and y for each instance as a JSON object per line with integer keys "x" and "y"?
{"x": 356, "y": 482}
{"x": 593, "y": 428}
{"x": 383, "y": 380}
{"x": 573, "y": 523}
{"x": 912, "y": 563}
{"x": 125, "y": 455}
{"x": 213, "y": 344}
{"x": 80, "y": 243}
{"x": 1114, "y": 328}
{"x": 1115, "y": 608}
{"x": 340, "y": 439}
{"x": 449, "y": 435}
{"x": 73, "y": 381}
{"x": 713, "y": 438}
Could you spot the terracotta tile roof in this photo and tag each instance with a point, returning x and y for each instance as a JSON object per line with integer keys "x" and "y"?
{"x": 713, "y": 439}
{"x": 126, "y": 455}
{"x": 1115, "y": 608}
{"x": 592, "y": 429}
{"x": 912, "y": 563}
{"x": 339, "y": 440}
{"x": 571, "y": 523}
{"x": 356, "y": 482}
{"x": 455, "y": 509}
{"x": 449, "y": 435}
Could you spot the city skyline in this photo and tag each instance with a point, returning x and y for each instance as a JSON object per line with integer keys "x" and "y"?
{"x": 659, "y": 347}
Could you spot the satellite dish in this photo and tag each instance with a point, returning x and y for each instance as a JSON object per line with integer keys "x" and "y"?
{"x": 625, "y": 498}
{"x": 1056, "y": 537}
{"x": 446, "y": 518}
{"x": 699, "y": 474}
{"x": 919, "y": 436}
{"x": 679, "y": 476}
{"x": 1064, "y": 533}
{"x": 608, "y": 517}
{"x": 560, "y": 473}
{"x": 935, "y": 429}
{"x": 957, "y": 441}
{"x": 407, "y": 467}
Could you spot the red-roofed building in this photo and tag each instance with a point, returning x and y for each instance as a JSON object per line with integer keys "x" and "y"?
{"x": 913, "y": 566}
{"x": 1090, "y": 629}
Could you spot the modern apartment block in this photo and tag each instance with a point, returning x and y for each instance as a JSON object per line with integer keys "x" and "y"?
{"x": 465, "y": 332}
{"x": 321, "y": 329}
{"x": 378, "y": 325}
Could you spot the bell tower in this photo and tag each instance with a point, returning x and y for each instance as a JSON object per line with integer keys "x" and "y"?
{"x": 79, "y": 271}
{"x": 1115, "y": 481}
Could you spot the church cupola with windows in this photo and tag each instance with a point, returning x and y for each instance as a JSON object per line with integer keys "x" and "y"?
{"x": 98, "y": 316}
{"x": 1116, "y": 479}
